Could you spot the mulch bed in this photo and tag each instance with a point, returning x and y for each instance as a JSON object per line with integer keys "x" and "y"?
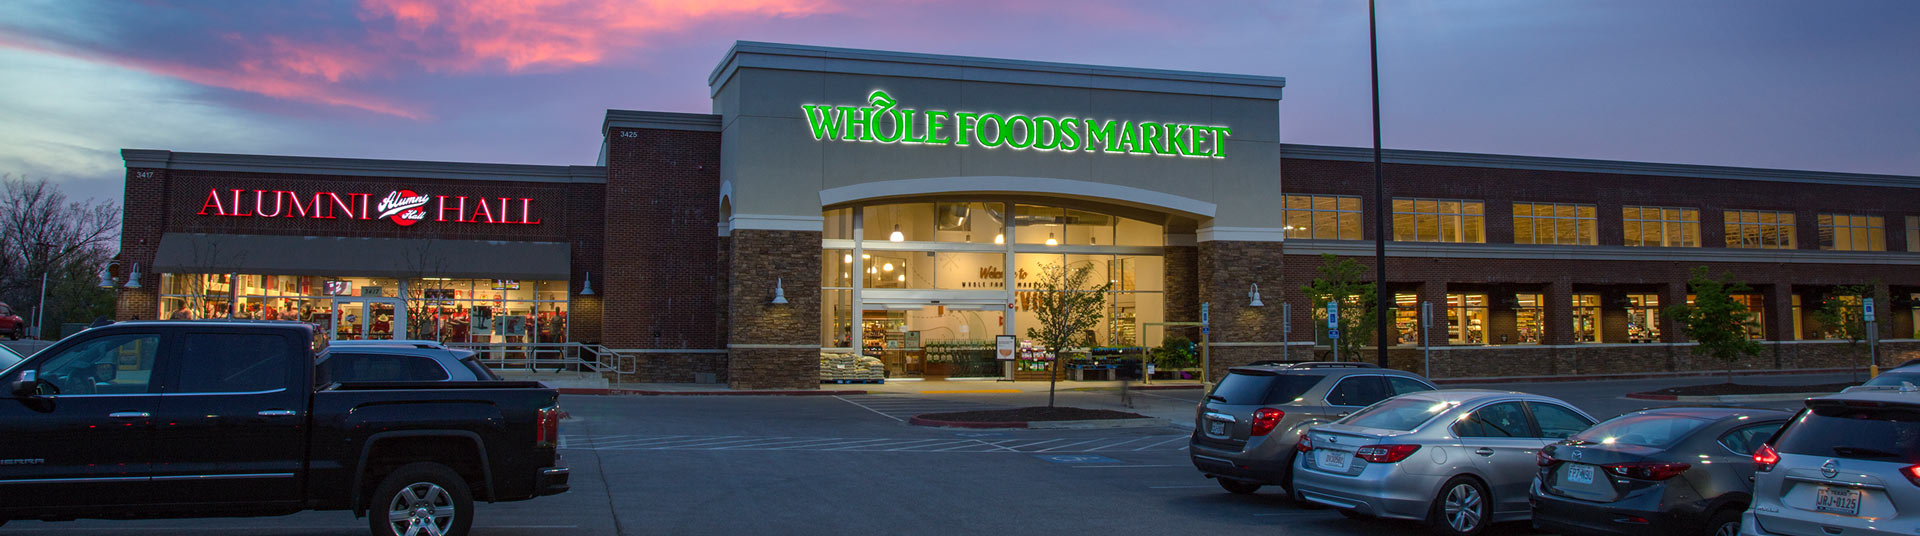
{"x": 1038, "y": 413}
{"x": 1718, "y": 389}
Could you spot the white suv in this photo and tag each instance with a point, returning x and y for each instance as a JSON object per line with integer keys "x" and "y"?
{"x": 1848, "y": 465}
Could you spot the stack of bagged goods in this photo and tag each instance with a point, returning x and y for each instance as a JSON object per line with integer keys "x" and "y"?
{"x": 850, "y": 367}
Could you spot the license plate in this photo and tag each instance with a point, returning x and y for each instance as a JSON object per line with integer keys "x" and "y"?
{"x": 1837, "y": 500}
{"x": 1216, "y": 428}
{"x": 1333, "y": 460}
{"x": 1579, "y": 474}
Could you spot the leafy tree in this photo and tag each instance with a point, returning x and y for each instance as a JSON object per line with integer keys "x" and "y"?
{"x": 1844, "y": 317}
{"x": 1340, "y": 282}
{"x": 1716, "y": 322}
{"x": 1067, "y": 308}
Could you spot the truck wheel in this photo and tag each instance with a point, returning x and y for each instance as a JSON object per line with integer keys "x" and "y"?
{"x": 420, "y": 499}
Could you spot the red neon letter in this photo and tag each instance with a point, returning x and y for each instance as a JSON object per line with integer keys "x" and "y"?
{"x": 457, "y": 210}
{"x": 526, "y": 212}
{"x": 236, "y": 204}
{"x": 213, "y": 200}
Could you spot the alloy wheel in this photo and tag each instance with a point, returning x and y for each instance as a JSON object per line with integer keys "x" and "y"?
{"x": 421, "y": 509}
{"x": 1463, "y": 508}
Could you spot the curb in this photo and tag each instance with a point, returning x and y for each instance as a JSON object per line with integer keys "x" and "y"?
{"x": 1633, "y": 376}
{"x": 1770, "y": 397}
{"x": 639, "y": 392}
{"x": 1150, "y": 422}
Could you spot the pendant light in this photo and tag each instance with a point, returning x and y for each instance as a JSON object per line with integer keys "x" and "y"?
{"x": 1051, "y": 241}
{"x": 896, "y": 236}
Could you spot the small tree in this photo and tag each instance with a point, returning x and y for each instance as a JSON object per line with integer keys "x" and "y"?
{"x": 1066, "y": 311}
{"x": 1715, "y": 322}
{"x": 1339, "y": 282}
{"x": 1844, "y": 317}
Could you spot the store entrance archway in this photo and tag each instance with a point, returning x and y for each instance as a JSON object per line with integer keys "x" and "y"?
{"x": 368, "y": 319}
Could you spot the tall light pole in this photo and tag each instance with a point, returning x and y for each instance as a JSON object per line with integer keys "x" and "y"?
{"x": 1382, "y": 298}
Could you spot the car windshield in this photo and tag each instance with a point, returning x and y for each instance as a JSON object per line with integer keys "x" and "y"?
{"x": 1242, "y": 389}
{"x": 1401, "y": 414}
{"x": 1865, "y": 433}
{"x": 1895, "y": 378}
{"x": 1641, "y": 429}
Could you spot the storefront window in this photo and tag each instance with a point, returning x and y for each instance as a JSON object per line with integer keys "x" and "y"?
{"x": 1323, "y": 217}
{"x": 1554, "y": 223}
{"x": 1439, "y": 220}
{"x": 435, "y": 308}
{"x": 1643, "y": 318}
{"x": 1586, "y": 318}
{"x": 1467, "y": 318}
{"x": 1762, "y": 229}
{"x": 1661, "y": 226}
{"x": 1852, "y": 232}
{"x": 1406, "y": 319}
{"x": 1529, "y": 318}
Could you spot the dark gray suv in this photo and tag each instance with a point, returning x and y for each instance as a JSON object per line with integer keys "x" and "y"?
{"x": 1245, "y": 431}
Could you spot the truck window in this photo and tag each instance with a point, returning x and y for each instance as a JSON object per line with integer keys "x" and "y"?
{"x": 234, "y": 363}
{"x": 111, "y": 365}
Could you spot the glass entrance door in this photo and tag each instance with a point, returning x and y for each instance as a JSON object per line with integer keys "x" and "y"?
{"x": 369, "y": 319}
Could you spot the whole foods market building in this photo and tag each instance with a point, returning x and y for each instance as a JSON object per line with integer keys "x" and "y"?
{"x": 891, "y": 204}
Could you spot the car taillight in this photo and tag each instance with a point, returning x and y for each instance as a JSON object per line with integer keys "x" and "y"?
{"x": 1648, "y": 470}
{"x": 1265, "y": 419}
{"x": 547, "y": 429}
{"x": 1305, "y": 444}
{"x": 1912, "y": 472}
{"x": 1765, "y": 458}
{"x": 1385, "y": 453}
{"x": 1543, "y": 458}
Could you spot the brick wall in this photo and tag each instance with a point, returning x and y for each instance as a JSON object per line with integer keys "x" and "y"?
{"x": 663, "y": 279}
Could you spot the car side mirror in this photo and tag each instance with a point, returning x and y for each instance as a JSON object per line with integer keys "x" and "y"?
{"x": 27, "y": 386}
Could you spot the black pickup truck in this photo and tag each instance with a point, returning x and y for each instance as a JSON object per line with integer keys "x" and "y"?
{"x": 224, "y": 419}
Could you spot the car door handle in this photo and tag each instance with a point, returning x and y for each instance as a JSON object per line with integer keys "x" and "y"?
{"x": 1484, "y": 451}
{"x": 277, "y": 413}
{"x": 129, "y": 415}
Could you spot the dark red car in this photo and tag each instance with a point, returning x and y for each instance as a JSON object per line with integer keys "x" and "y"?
{"x": 10, "y": 323}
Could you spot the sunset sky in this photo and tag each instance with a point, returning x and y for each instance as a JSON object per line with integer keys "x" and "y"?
{"x": 1764, "y": 83}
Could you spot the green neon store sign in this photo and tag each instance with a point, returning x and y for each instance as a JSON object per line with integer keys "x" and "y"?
{"x": 881, "y": 122}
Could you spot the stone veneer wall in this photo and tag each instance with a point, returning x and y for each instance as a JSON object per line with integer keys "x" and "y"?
{"x": 1241, "y": 334}
{"x": 773, "y": 346}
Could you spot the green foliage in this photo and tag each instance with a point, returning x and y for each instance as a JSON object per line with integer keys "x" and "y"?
{"x": 1174, "y": 352}
{"x": 1844, "y": 316}
{"x": 1068, "y": 307}
{"x": 1715, "y": 322}
{"x": 1340, "y": 282}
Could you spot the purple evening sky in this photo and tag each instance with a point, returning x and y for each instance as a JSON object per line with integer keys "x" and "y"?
{"x": 1763, "y": 83}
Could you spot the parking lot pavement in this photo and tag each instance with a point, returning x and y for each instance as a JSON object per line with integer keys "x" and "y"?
{"x": 848, "y": 465}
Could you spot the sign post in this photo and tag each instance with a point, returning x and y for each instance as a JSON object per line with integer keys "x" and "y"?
{"x": 1333, "y": 327}
{"x": 1206, "y": 357}
{"x": 1873, "y": 336}
{"x": 1426, "y": 349}
{"x": 1286, "y": 328}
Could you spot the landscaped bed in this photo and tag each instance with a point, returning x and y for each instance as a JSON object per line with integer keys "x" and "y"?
{"x": 1724, "y": 389}
{"x": 1037, "y": 413}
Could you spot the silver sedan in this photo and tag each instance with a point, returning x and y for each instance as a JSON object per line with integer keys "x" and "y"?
{"x": 1459, "y": 459}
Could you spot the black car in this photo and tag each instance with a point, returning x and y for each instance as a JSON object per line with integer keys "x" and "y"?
{"x": 1658, "y": 471}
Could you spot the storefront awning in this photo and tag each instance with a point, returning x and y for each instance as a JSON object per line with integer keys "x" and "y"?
{"x": 361, "y": 257}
